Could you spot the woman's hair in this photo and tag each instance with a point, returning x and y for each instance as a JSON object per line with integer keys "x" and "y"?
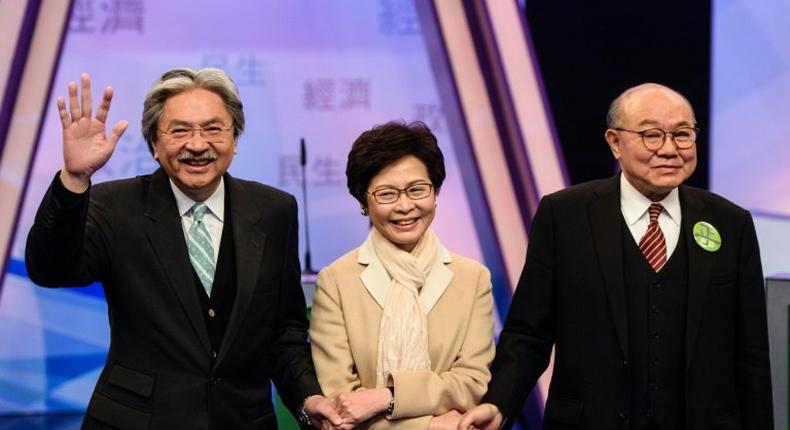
{"x": 176, "y": 81}
{"x": 387, "y": 143}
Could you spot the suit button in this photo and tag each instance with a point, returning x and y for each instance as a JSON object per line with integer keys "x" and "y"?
{"x": 655, "y": 309}
{"x": 653, "y": 387}
{"x": 216, "y": 381}
{"x": 211, "y": 313}
{"x": 213, "y": 354}
{"x": 656, "y": 335}
{"x": 623, "y": 414}
{"x": 656, "y": 362}
{"x": 656, "y": 285}
{"x": 625, "y": 363}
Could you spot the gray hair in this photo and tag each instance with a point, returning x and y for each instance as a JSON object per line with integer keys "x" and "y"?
{"x": 178, "y": 80}
{"x": 613, "y": 115}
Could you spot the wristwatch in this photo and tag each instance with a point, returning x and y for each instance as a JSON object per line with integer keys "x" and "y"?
{"x": 302, "y": 416}
{"x": 391, "y": 406}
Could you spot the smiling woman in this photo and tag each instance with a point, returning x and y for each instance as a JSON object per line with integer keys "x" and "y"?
{"x": 402, "y": 329}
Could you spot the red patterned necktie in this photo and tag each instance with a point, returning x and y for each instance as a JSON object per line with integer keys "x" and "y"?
{"x": 652, "y": 244}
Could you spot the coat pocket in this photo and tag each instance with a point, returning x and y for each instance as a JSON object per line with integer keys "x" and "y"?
{"x": 110, "y": 412}
{"x": 132, "y": 380}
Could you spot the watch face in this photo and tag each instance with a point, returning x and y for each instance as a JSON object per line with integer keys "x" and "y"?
{"x": 303, "y": 417}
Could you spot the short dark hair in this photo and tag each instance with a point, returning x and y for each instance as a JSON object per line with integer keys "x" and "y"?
{"x": 387, "y": 143}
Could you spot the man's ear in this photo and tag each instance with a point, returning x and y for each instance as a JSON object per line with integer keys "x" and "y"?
{"x": 613, "y": 139}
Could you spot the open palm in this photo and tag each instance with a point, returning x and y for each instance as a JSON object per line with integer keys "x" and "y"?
{"x": 86, "y": 146}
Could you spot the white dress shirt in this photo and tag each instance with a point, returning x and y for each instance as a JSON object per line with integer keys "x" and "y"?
{"x": 634, "y": 206}
{"x": 213, "y": 219}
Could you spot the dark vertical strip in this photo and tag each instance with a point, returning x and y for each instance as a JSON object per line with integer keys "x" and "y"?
{"x": 589, "y": 52}
{"x": 459, "y": 131}
{"x": 17, "y": 68}
{"x": 34, "y": 149}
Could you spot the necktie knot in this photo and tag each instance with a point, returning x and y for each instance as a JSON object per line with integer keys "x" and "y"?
{"x": 198, "y": 211}
{"x": 654, "y": 211}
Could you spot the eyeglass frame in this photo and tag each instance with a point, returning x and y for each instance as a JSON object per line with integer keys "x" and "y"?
{"x": 223, "y": 132}
{"x": 665, "y": 133}
{"x": 401, "y": 191}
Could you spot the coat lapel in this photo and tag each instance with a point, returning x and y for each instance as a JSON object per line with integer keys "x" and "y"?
{"x": 604, "y": 212}
{"x": 376, "y": 279}
{"x": 699, "y": 266}
{"x": 248, "y": 241}
{"x": 438, "y": 281}
{"x": 167, "y": 238}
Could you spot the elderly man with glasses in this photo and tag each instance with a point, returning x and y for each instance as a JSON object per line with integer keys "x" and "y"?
{"x": 650, "y": 292}
{"x": 200, "y": 269}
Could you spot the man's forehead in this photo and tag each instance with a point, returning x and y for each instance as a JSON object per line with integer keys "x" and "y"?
{"x": 188, "y": 105}
{"x": 652, "y": 93}
{"x": 641, "y": 102}
{"x": 202, "y": 122}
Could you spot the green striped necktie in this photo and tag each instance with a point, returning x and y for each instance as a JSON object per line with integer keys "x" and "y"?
{"x": 201, "y": 252}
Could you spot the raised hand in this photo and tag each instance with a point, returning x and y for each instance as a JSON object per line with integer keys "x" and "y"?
{"x": 483, "y": 417}
{"x": 86, "y": 147}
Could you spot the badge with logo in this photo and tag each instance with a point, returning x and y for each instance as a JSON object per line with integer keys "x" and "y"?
{"x": 706, "y": 236}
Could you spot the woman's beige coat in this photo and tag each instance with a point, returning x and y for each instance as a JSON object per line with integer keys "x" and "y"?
{"x": 345, "y": 329}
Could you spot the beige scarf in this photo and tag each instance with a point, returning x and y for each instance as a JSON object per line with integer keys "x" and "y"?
{"x": 403, "y": 333}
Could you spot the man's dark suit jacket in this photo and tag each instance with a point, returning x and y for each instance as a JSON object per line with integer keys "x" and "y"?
{"x": 572, "y": 295}
{"x": 160, "y": 372}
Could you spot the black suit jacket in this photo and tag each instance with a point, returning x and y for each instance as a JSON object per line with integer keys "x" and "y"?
{"x": 161, "y": 372}
{"x": 572, "y": 295}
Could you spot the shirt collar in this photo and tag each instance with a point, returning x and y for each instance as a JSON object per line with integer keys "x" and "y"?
{"x": 634, "y": 204}
{"x": 215, "y": 202}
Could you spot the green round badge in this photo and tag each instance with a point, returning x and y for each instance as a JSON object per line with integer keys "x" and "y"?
{"x": 706, "y": 236}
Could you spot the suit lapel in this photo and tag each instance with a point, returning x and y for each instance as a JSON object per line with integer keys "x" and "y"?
{"x": 248, "y": 241}
{"x": 166, "y": 235}
{"x": 604, "y": 212}
{"x": 699, "y": 266}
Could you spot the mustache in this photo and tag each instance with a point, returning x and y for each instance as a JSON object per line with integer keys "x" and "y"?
{"x": 191, "y": 156}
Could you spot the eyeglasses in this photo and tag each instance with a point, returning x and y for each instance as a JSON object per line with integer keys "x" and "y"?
{"x": 212, "y": 133}
{"x": 653, "y": 138}
{"x": 386, "y": 196}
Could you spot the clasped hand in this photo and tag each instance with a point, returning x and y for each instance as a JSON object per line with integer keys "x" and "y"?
{"x": 359, "y": 406}
{"x": 356, "y": 407}
{"x": 348, "y": 410}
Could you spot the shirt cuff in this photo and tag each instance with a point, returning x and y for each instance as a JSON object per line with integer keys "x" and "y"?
{"x": 63, "y": 195}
